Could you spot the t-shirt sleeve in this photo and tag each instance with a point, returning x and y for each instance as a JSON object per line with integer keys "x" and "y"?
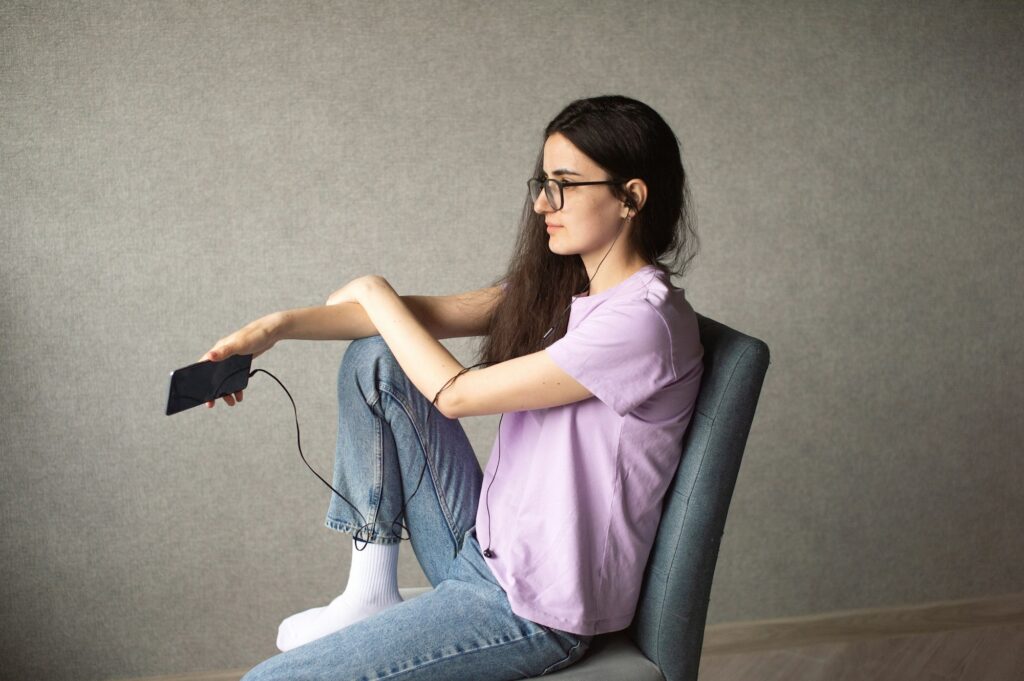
{"x": 622, "y": 353}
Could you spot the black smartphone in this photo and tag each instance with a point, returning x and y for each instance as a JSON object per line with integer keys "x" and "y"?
{"x": 205, "y": 381}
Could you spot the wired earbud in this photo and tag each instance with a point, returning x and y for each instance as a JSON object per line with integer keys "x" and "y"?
{"x": 631, "y": 208}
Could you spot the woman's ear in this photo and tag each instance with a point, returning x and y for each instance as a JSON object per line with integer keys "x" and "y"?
{"x": 637, "y": 196}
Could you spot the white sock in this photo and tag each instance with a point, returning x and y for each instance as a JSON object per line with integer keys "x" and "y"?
{"x": 372, "y": 587}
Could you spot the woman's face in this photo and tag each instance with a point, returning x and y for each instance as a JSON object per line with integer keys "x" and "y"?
{"x": 591, "y": 215}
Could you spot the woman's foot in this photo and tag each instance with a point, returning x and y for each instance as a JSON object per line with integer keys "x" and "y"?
{"x": 372, "y": 587}
{"x": 309, "y": 625}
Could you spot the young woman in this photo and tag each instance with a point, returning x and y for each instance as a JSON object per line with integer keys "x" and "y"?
{"x": 595, "y": 359}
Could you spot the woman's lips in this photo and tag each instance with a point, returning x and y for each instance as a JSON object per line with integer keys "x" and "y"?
{"x": 552, "y": 228}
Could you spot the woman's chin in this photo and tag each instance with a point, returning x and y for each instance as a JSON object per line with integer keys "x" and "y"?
{"x": 555, "y": 245}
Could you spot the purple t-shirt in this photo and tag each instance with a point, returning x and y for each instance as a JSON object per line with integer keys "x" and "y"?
{"x": 572, "y": 513}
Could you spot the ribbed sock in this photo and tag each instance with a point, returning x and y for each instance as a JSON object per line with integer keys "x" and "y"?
{"x": 372, "y": 587}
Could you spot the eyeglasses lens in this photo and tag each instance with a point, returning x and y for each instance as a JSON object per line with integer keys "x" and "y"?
{"x": 551, "y": 192}
{"x": 554, "y": 193}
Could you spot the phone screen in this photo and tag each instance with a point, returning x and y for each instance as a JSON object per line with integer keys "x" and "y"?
{"x": 205, "y": 381}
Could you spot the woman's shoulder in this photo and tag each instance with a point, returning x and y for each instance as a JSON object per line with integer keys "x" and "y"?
{"x": 658, "y": 291}
{"x": 672, "y": 306}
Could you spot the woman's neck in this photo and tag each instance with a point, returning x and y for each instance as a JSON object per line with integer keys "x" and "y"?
{"x": 606, "y": 277}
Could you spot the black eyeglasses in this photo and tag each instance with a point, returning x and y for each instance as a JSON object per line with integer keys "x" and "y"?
{"x": 537, "y": 183}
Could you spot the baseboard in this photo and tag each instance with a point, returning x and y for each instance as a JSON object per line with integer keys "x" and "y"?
{"x": 229, "y": 675}
{"x": 848, "y": 625}
{"x": 854, "y": 625}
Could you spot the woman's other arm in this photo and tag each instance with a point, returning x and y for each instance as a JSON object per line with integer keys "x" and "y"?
{"x": 532, "y": 381}
{"x": 529, "y": 382}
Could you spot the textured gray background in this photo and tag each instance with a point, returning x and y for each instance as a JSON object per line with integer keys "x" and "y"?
{"x": 172, "y": 170}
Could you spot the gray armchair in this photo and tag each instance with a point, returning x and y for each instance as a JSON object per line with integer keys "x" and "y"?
{"x": 664, "y": 641}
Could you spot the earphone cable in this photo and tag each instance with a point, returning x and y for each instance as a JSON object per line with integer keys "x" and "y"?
{"x": 367, "y": 527}
{"x": 487, "y": 551}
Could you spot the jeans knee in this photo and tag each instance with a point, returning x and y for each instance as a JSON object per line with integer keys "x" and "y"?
{"x": 367, "y": 350}
{"x": 365, "y": 357}
{"x": 368, "y": 345}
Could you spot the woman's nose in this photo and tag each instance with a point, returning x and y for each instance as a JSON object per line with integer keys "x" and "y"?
{"x": 541, "y": 205}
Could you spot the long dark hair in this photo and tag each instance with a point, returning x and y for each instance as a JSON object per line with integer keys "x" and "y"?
{"x": 628, "y": 139}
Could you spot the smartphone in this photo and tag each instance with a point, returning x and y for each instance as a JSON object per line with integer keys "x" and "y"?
{"x": 205, "y": 381}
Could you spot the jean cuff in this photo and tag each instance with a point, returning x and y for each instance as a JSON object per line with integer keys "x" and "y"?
{"x": 374, "y": 536}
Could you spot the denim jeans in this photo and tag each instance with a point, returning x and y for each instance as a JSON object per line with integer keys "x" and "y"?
{"x": 462, "y": 629}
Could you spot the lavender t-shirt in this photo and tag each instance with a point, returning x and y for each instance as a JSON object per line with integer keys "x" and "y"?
{"x": 572, "y": 513}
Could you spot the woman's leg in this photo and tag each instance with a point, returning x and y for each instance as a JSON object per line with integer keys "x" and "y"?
{"x": 463, "y": 629}
{"x": 391, "y": 439}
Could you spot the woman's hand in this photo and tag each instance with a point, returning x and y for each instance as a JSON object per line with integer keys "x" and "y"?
{"x": 256, "y": 337}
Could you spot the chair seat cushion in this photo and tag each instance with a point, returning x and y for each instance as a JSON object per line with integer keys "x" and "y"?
{"x": 611, "y": 657}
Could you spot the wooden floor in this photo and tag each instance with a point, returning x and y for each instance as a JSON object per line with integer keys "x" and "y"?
{"x": 993, "y": 653}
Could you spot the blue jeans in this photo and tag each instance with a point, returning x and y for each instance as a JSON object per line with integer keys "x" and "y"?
{"x": 464, "y": 628}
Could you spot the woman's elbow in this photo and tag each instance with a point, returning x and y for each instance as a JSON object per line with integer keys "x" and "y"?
{"x": 448, "y": 404}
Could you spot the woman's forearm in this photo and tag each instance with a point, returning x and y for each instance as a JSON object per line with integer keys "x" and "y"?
{"x": 342, "y": 321}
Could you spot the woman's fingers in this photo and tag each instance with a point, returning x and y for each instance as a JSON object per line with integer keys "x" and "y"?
{"x": 256, "y": 338}
{"x": 230, "y": 399}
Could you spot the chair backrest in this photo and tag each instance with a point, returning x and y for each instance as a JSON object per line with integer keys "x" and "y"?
{"x": 669, "y": 623}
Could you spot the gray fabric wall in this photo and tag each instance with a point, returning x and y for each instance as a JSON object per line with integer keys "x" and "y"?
{"x": 173, "y": 170}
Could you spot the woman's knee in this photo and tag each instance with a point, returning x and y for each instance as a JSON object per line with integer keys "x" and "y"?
{"x": 367, "y": 354}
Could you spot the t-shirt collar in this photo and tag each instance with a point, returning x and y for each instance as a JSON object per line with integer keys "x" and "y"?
{"x": 630, "y": 283}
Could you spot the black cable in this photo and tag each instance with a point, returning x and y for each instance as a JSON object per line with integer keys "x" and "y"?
{"x": 368, "y": 527}
{"x": 487, "y": 551}
{"x": 487, "y": 495}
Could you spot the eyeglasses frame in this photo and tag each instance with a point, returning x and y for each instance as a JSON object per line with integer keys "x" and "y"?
{"x": 562, "y": 184}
